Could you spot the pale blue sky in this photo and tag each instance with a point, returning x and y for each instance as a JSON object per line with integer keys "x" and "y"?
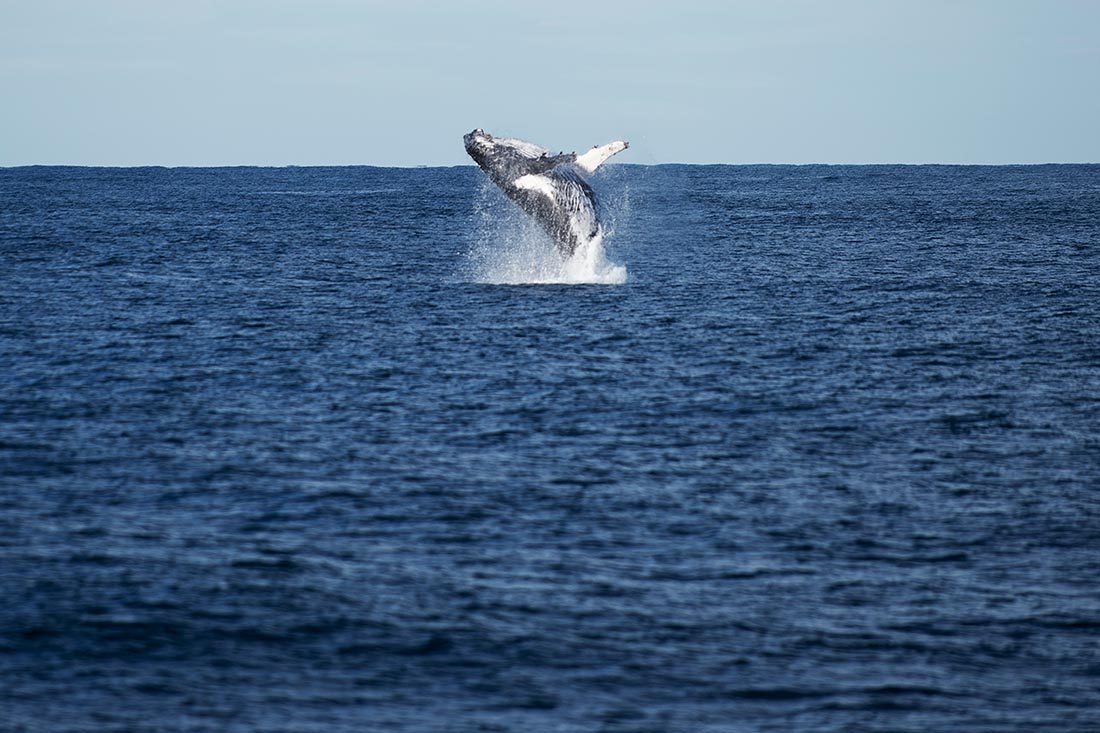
{"x": 337, "y": 82}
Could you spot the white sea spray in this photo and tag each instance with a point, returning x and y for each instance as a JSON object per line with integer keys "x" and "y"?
{"x": 509, "y": 248}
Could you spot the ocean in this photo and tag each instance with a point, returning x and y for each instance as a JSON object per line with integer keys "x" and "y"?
{"x": 796, "y": 448}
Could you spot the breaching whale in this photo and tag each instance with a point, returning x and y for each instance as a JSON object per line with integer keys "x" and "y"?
{"x": 551, "y": 188}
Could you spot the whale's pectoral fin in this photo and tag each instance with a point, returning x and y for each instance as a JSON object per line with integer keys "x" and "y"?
{"x": 592, "y": 160}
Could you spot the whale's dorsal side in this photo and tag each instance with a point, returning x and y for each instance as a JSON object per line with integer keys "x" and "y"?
{"x": 550, "y": 188}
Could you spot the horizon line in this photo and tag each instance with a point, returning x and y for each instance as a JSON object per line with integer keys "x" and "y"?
{"x": 416, "y": 166}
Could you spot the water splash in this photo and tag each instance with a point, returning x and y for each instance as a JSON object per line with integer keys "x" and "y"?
{"x": 511, "y": 249}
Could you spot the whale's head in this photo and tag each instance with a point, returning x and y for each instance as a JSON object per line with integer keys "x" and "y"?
{"x": 504, "y": 157}
{"x": 480, "y": 145}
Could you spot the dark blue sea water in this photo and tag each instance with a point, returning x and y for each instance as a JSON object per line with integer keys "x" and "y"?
{"x": 279, "y": 452}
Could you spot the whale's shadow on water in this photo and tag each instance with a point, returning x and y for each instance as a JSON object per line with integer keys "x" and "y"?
{"x": 507, "y": 247}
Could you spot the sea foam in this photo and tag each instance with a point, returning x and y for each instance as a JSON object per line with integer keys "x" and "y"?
{"x": 509, "y": 248}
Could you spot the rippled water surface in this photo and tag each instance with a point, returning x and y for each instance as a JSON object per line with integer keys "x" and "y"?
{"x": 297, "y": 450}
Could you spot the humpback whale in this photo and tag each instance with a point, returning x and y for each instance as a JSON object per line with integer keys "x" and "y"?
{"x": 551, "y": 188}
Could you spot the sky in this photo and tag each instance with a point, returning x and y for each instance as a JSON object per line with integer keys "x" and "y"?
{"x": 398, "y": 82}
